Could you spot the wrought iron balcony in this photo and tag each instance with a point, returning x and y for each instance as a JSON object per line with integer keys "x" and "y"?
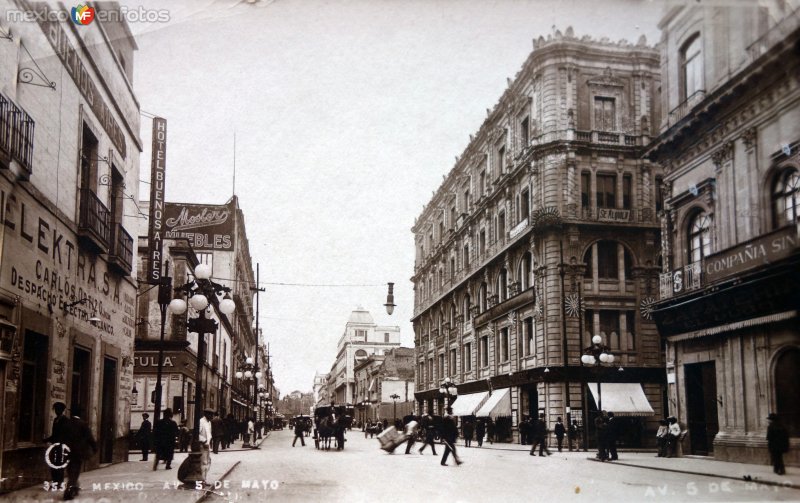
{"x": 16, "y": 134}
{"x": 121, "y": 251}
{"x": 685, "y": 107}
{"x": 94, "y": 221}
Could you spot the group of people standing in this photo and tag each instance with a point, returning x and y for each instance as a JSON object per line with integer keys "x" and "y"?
{"x": 667, "y": 437}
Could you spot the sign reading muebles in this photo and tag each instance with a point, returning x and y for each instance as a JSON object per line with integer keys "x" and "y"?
{"x": 207, "y": 227}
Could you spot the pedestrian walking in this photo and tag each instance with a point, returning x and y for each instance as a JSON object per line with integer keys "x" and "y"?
{"x": 525, "y": 430}
{"x": 205, "y": 436}
{"x": 430, "y": 433}
{"x": 143, "y": 435}
{"x": 449, "y": 436}
{"x": 468, "y": 430}
{"x": 600, "y": 425}
{"x": 251, "y": 433}
{"x": 184, "y": 437}
{"x": 777, "y": 443}
{"x": 217, "y": 432}
{"x": 612, "y": 431}
{"x": 299, "y": 430}
{"x": 230, "y": 430}
{"x": 559, "y": 430}
{"x": 411, "y": 427}
{"x": 661, "y": 438}
{"x": 490, "y": 428}
{"x": 539, "y": 428}
{"x": 480, "y": 432}
{"x": 82, "y": 446}
{"x": 572, "y": 434}
{"x": 673, "y": 435}
{"x": 57, "y": 439}
{"x": 165, "y": 432}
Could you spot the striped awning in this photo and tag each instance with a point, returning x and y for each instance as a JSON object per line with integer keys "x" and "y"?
{"x": 497, "y": 405}
{"x": 622, "y": 398}
{"x": 239, "y": 402}
{"x": 466, "y": 405}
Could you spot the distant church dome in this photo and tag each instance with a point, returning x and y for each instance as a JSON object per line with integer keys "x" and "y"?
{"x": 361, "y": 316}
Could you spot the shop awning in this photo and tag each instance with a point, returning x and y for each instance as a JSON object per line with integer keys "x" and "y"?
{"x": 239, "y": 402}
{"x": 497, "y": 405}
{"x": 466, "y": 405}
{"x": 622, "y": 398}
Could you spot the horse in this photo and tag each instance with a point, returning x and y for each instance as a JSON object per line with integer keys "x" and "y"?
{"x": 327, "y": 428}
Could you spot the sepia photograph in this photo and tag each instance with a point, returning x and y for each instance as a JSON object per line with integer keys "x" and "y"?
{"x": 399, "y": 250}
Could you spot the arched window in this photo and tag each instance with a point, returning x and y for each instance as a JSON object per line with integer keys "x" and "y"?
{"x": 482, "y": 304}
{"x": 502, "y": 285}
{"x": 699, "y": 237}
{"x": 786, "y": 390}
{"x": 786, "y": 197}
{"x": 452, "y": 318}
{"x": 691, "y": 60}
{"x": 467, "y": 307}
{"x": 524, "y": 275}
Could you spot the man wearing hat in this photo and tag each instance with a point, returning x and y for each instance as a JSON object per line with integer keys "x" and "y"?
{"x": 143, "y": 435}
{"x": 777, "y": 443}
{"x": 449, "y": 436}
{"x": 205, "y": 437}
{"x": 57, "y": 437}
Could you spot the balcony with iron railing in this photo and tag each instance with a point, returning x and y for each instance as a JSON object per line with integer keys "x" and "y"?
{"x": 683, "y": 109}
{"x": 16, "y": 134}
{"x": 121, "y": 250}
{"x": 613, "y": 215}
{"x": 679, "y": 281}
{"x": 94, "y": 221}
{"x": 609, "y": 138}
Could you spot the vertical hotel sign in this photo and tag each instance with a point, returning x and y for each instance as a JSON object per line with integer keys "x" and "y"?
{"x": 156, "y": 229}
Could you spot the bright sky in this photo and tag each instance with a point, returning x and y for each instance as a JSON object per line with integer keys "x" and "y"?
{"x": 347, "y": 115}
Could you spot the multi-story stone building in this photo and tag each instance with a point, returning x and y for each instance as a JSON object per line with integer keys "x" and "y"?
{"x": 362, "y": 337}
{"x": 730, "y": 148}
{"x": 320, "y": 382}
{"x": 68, "y": 198}
{"x": 543, "y": 234}
{"x": 381, "y": 378}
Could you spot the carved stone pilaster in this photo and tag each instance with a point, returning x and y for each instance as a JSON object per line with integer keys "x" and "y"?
{"x": 749, "y": 137}
{"x": 722, "y": 154}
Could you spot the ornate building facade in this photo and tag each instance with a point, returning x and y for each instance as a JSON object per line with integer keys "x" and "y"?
{"x": 729, "y": 300}
{"x": 68, "y": 198}
{"x": 542, "y": 235}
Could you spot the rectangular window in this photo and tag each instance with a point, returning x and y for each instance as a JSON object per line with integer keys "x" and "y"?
{"x": 607, "y": 260}
{"x": 482, "y": 243}
{"x": 504, "y": 346}
{"x": 524, "y": 204}
{"x": 609, "y": 328}
{"x": 467, "y": 357}
{"x": 33, "y": 388}
{"x": 421, "y": 376}
{"x": 501, "y": 161}
{"x": 482, "y": 182}
{"x": 431, "y": 377}
{"x": 627, "y": 183}
{"x": 484, "y": 352}
{"x": 453, "y": 217}
{"x": 452, "y": 369}
{"x": 81, "y": 377}
{"x": 659, "y": 194}
{"x": 89, "y": 146}
{"x": 386, "y": 337}
{"x": 441, "y": 366}
{"x": 466, "y": 201}
{"x": 606, "y": 191}
{"x": 586, "y": 189}
{"x": 588, "y": 327}
{"x": 630, "y": 319}
{"x": 530, "y": 344}
{"x": 452, "y": 268}
{"x": 501, "y": 226}
{"x": 604, "y": 114}
{"x": 466, "y": 257}
{"x": 441, "y": 230}
{"x": 524, "y": 129}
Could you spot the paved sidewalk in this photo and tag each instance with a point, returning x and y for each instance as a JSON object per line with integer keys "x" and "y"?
{"x": 136, "y": 481}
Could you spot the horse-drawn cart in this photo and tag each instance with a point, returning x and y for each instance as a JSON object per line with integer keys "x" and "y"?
{"x": 331, "y": 422}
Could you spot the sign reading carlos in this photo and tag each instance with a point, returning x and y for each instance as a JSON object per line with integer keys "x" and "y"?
{"x": 207, "y": 227}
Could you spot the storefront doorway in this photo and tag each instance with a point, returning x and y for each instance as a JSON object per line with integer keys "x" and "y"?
{"x": 701, "y": 406}
{"x": 108, "y": 410}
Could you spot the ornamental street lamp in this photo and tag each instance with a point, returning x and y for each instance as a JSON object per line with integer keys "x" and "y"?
{"x": 597, "y": 355}
{"x": 199, "y": 291}
{"x": 448, "y": 389}
{"x": 395, "y": 397}
{"x": 390, "y": 305}
{"x": 249, "y": 374}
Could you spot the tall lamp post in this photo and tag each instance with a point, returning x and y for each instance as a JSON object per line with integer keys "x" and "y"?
{"x": 249, "y": 373}
{"x": 595, "y": 356}
{"x": 199, "y": 291}
{"x": 164, "y": 302}
{"x": 449, "y": 390}
{"x": 395, "y": 397}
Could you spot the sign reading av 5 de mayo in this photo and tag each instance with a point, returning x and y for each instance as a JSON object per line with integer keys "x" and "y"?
{"x": 207, "y": 227}
{"x": 44, "y": 265}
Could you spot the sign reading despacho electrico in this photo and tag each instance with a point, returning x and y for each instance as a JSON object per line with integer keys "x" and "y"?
{"x": 155, "y": 231}
{"x": 75, "y": 67}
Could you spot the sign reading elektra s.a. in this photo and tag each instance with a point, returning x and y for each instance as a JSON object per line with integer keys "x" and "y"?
{"x": 155, "y": 231}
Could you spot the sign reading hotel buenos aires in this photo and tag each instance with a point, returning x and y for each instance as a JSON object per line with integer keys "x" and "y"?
{"x": 155, "y": 231}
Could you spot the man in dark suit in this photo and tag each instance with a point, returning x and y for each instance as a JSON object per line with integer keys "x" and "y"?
{"x": 430, "y": 433}
{"x": 165, "y": 433}
{"x": 143, "y": 435}
{"x": 217, "y": 432}
{"x": 82, "y": 446}
{"x": 777, "y": 443}
{"x": 539, "y": 433}
{"x": 449, "y": 436}
{"x": 601, "y": 427}
{"x": 57, "y": 437}
{"x": 612, "y": 430}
